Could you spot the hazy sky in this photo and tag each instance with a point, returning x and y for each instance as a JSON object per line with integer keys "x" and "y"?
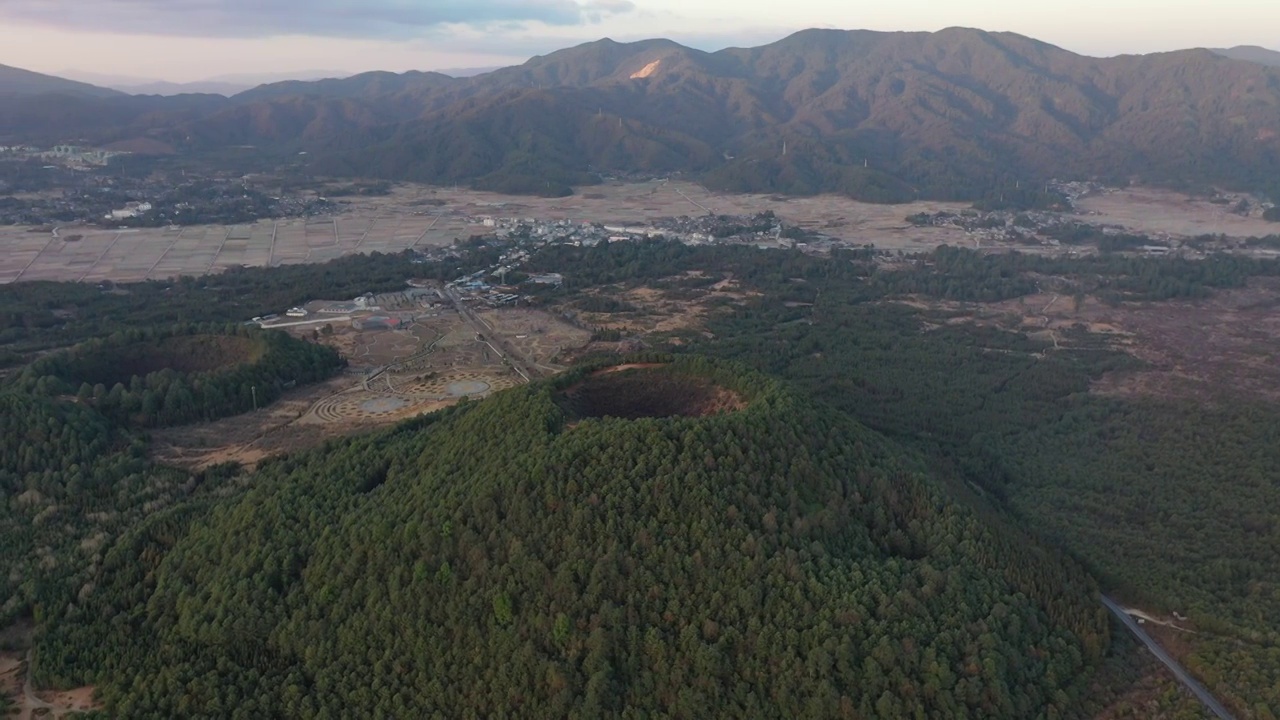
{"x": 194, "y": 39}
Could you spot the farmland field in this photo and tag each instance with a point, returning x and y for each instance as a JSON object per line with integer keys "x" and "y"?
{"x": 422, "y": 216}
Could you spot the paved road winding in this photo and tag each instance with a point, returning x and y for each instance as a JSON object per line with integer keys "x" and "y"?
{"x": 1183, "y": 676}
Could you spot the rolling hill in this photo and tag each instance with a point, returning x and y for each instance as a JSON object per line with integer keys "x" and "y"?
{"x": 50, "y": 119}
{"x": 1251, "y": 53}
{"x": 880, "y": 116}
{"x": 364, "y": 85}
{"x": 16, "y": 81}
{"x": 678, "y": 539}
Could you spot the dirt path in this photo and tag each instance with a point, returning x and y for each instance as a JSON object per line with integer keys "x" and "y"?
{"x": 31, "y": 703}
{"x": 65, "y": 703}
{"x": 1155, "y": 620}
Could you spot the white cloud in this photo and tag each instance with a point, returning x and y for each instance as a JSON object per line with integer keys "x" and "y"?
{"x": 323, "y": 18}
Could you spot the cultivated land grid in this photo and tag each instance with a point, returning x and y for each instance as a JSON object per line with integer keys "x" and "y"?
{"x": 414, "y": 216}
{"x": 421, "y": 216}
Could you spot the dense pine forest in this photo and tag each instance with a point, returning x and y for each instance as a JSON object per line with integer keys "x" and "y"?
{"x": 73, "y": 471}
{"x": 769, "y": 561}
{"x": 1170, "y": 502}
{"x": 887, "y": 515}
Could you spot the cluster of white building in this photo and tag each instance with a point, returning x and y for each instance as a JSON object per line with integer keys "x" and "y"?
{"x": 130, "y": 210}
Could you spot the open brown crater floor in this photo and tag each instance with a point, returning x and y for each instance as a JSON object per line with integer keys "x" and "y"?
{"x": 639, "y": 391}
{"x": 184, "y": 354}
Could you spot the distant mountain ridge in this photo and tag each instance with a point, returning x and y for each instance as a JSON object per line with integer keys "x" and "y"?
{"x": 1251, "y": 53}
{"x": 226, "y": 85}
{"x": 369, "y": 84}
{"x": 201, "y": 88}
{"x": 879, "y": 116}
{"x": 16, "y": 81}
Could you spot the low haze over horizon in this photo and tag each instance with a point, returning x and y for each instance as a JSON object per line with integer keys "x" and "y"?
{"x": 186, "y": 40}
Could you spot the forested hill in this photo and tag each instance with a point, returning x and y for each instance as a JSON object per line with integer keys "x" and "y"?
{"x": 880, "y": 116}
{"x": 19, "y": 82}
{"x": 726, "y": 552}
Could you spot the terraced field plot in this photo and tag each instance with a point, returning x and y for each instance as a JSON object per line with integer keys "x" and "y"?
{"x": 432, "y": 362}
{"x": 407, "y": 396}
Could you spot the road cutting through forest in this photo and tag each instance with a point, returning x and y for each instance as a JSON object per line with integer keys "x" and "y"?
{"x": 1200, "y": 691}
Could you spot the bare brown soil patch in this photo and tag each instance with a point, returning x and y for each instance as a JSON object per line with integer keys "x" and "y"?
{"x": 1198, "y": 348}
{"x": 626, "y": 366}
{"x": 536, "y": 335}
{"x": 638, "y": 391}
{"x": 24, "y": 701}
{"x": 1192, "y": 348}
{"x": 76, "y": 700}
{"x": 247, "y": 438}
{"x": 660, "y": 311}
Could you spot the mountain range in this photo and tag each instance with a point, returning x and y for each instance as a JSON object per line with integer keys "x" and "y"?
{"x": 227, "y": 85}
{"x": 16, "y": 81}
{"x": 880, "y": 116}
{"x": 1252, "y": 53}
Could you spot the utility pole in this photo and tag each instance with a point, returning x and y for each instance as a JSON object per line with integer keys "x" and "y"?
{"x": 254, "y": 390}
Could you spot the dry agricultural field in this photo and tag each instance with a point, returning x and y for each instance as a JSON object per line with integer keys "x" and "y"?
{"x": 158, "y": 253}
{"x": 421, "y": 216}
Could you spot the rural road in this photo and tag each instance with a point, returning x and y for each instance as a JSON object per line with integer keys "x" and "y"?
{"x": 502, "y": 349}
{"x": 1183, "y": 676}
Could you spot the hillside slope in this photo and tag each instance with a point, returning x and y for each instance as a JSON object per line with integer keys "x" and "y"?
{"x": 727, "y": 553}
{"x": 52, "y": 119}
{"x": 884, "y": 116}
{"x": 16, "y": 81}
{"x": 1251, "y": 53}
{"x": 880, "y": 116}
{"x": 364, "y": 85}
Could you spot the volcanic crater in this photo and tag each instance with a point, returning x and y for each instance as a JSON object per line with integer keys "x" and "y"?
{"x": 635, "y": 391}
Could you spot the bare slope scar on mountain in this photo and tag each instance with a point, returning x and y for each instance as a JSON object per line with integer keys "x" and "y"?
{"x": 646, "y": 71}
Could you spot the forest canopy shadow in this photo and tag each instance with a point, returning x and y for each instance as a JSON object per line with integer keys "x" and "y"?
{"x": 199, "y": 353}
